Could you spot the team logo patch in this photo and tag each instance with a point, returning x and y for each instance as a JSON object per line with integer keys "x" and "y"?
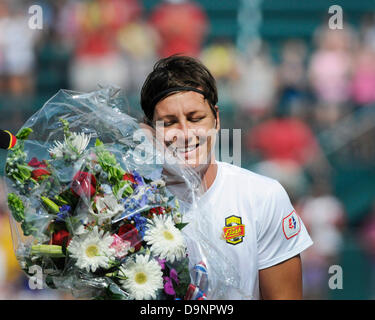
{"x": 291, "y": 225}
{"x": 234, "y": 230}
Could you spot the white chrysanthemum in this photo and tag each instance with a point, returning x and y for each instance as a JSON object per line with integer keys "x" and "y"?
{"x": 144, "y": 277}
{"x": 75, "y": 144}
{"x": 106, "y": 208}
{"x": 92, "y": 250}
{"x": 165, "y": 239}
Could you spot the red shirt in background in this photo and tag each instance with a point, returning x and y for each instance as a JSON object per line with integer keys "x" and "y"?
{"x": 181, "y": 26}
{"x": 283, "y": 139}
{"x": 99, "y": 22}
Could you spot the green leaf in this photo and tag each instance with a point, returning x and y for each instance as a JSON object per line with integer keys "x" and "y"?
{"x": 66, "y": 128}
{"x": 60, "y": 200}
{"x": 28, "y": 228}
{"x": 24, "y": 172}
{"x": 180, "y": 226}
{"x": 51, "y": 206}
{"x": 64, "y": 247}
{"x": 67, "y": 197}
{"x": 115, "y": 293}
{"x": 98, "y": 143}
{"x": 16, "y": 206}
{"x": 24, "y": 133}
{"x": 50, "y": 283}
{"x": 115, "y": 174}
{"x": 123, "y": 187}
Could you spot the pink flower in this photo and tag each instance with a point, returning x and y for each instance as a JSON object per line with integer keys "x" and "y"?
{"x": 121, "y": 246}
{"x": 161, "y": 263}
{"x": 173, "y": 274}
{"x": 168, "y": 286}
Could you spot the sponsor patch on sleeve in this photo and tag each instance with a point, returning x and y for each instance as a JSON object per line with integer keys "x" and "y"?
{"x": 291, "y": 225}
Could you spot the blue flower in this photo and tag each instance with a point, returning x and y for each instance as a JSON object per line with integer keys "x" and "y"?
{"x": 140, "y": 223}
{"x": 64, "y": 213}
{"x": 143, "y": 201}
{"x": 138, "y": 178}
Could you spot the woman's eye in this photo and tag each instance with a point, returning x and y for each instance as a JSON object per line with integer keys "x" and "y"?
{"x": 196, "y": 119}
{"x": 167, "y": 124}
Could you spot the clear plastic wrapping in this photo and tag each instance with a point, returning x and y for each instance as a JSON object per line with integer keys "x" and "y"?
{"x": 94, "y": 207}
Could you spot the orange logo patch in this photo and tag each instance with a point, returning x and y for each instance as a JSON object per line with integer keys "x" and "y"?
{"x": 234, "y": 230}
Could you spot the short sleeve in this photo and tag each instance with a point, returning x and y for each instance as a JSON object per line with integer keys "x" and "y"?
{"x": 281, "y": 233}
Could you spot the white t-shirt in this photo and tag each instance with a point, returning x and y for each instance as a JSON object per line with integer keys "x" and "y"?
{"x": 248, "y": 224}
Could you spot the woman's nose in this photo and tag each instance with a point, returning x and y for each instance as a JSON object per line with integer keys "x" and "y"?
{"x": 184, "y": 128}
{"x": 180, "y": 133}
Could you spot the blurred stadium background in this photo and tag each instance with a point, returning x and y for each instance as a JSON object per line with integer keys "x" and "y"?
{"x": 302, "y": 94}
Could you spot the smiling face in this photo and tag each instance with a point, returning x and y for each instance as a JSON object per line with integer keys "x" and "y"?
{"x": 189, "y": 127}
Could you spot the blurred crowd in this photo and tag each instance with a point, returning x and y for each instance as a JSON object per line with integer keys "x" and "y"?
{"x": 282, "y": 104}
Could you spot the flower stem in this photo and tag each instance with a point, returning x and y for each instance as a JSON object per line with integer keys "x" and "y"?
{"x": 53, "y": 251}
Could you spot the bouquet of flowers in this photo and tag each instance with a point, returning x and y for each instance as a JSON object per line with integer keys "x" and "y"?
{"x": 90, "y": 205}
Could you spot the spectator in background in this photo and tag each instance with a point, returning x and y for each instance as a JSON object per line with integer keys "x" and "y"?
{"x": 220, "y": 59}
{"x": 290, "y": 175}
{"x": 287, "y": 147}
{"x": 363, "y": 82}
{"x": 181, "y": 25}
{"x": 97, "y": 57}
{"x": 367, "y": 238}
{"x": 138, "y": 41}
{"x": 325, "y": 220}
{"x": 17, "y": 44}
{"x": 368, "y": 30}
{"x": 330, "y": 71}
{"x": 284, "y": 138}
{"x": 291, "y": 76}
{"x": 3, "y": 17}
{"x": 254, "y": 90}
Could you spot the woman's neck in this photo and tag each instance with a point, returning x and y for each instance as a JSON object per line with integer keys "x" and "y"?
{"x": 208, "y": 176}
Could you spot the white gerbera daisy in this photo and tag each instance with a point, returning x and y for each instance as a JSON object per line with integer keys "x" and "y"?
{"x": 165, "y": 239}
{"x": 75, "y": 144}
{"x": 92, "y": 250}
{"x": 144, "y": 277}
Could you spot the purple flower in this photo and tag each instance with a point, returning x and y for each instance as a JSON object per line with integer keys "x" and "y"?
{"x": 161, "y": 263}
{"x": 168, "y": 286}
{"x": 173, "y": 274}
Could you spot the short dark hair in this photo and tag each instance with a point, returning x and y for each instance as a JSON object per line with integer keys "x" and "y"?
{"x": 176, "y": 72}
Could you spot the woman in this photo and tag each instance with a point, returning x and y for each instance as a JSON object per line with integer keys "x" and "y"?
{"x": 250, "y": 216}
